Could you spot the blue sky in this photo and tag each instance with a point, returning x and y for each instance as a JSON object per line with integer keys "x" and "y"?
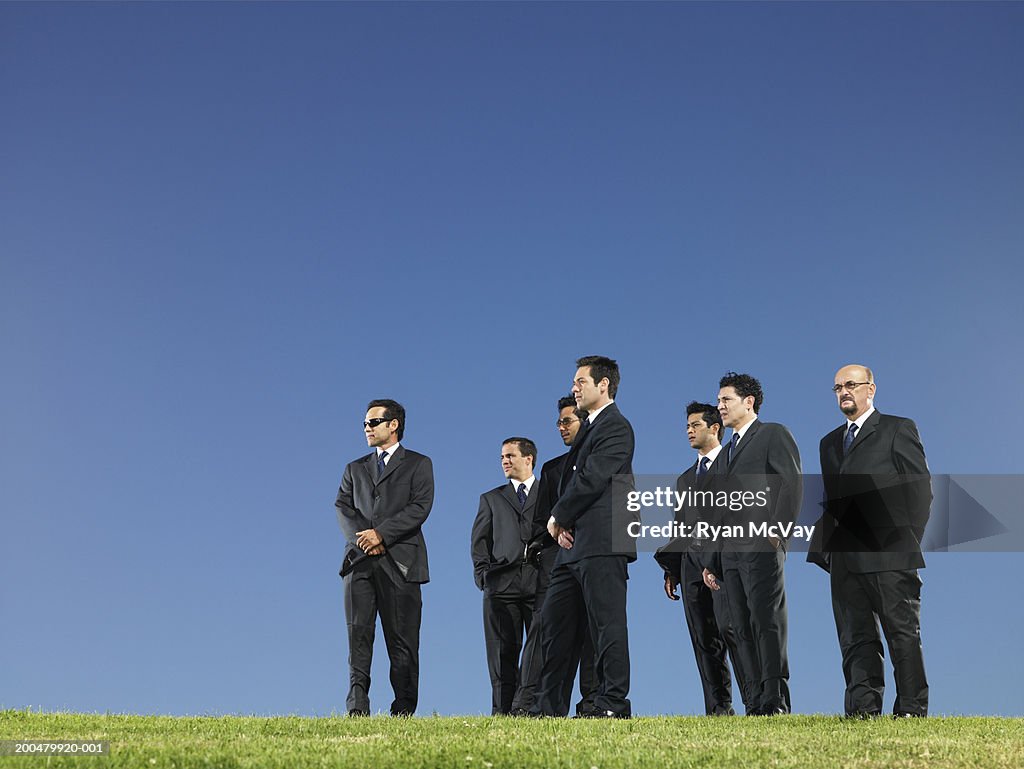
{"x": 225, "y": 227}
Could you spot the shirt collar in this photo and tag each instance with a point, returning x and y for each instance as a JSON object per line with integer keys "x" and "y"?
{"x": 743, "y": 430}
{"x": 860, "y": 420}
{"x": 593, "y": 414}
{"x": 711, "y": 455}
{"x": 390, "y": 451}
{"x": 529, "y": 484}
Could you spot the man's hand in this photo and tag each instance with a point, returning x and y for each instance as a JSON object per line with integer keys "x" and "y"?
{"x": 562, "y": 536}
{"x": 711, "y": 580}
{"x": 369, "y": 540}
{"x": 775, "y": 542}
{"x": 379, "y": 550}
{"x": 531, "y": 554}
{"x": 670, "y": 587}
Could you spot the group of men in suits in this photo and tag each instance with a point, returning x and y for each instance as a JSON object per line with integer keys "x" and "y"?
{"x": 560, "y": 553}
{"x": 553, "y": 572}
{"x": 735, "y": 597}
{"x": 877, "y": 502}
{"x": 513, "y": 556}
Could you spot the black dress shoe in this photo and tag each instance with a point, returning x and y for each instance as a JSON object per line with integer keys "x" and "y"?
{"x": 723, "y": 710}
{"x": 773, "y": 710}
{"x": 909, "y": 715}
{"x": 861, "y": 715}
{"x": 519, "y": 713}
{"x": 358, "y": 713}
{"x": 401, "y": 714}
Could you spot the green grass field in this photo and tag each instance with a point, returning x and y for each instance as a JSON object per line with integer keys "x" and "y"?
{"x": 495, "y": 743}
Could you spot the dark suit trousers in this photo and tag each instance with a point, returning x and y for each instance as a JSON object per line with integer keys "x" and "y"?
{"x": 586, "y": 593}
{"x": 533, "y": 658}
{"x": 709, "y": 644}
{"x": 756, "y": 591}
{"x": 860, "y": 602}
{"x": 507, "y": 618}
{"x": 375, "y": 587}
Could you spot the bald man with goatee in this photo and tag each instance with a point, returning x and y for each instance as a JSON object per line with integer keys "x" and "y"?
{"x": 878, "y": 497}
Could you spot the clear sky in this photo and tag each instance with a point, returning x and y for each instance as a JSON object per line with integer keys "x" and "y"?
{"x": 225, "y": 227}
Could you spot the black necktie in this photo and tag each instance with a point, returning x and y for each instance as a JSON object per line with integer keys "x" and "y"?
{"x": 702, "y": 468}
{"x": 521, "y": 493}
{"x": 381, "y": 464}
{"x": 851, "y": 434}
{"x": 732, "y": 445}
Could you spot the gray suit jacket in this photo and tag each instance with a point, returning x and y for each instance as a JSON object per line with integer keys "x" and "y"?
{"x": 877, "y": 498}
{"x": 500, "y": 534}
{"x": 396, "y": 504}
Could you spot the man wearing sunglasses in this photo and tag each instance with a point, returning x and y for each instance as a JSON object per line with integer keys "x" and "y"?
{"x": 878, "y": 498}
{"x": 383, "y": 501}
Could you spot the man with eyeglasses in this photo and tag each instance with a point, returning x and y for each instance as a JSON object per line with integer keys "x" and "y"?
{"x": 544, "y": 548}
{"x": 759, "y": 454}
{"x": 878, "y": 498}
{"x": 383, "y": 501}
{"x": 504, "y": 570}
{"x": 587, "y": 592}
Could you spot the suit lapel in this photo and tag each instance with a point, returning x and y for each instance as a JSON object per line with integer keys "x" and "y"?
{"x": 510, "y": 496}
{"x": 370, "y": 465}
{"x": 531, "y": 499}
{"x": 870, "y": 424}
{"x": 835, "y": 451}
{"x": 570, "y": 459}
{"x": 395, "y": 460}
{"x": 745, "y": 440}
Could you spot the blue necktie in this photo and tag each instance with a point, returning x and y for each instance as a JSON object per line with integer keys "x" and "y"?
{"x": 521, "y": 493}
{"x": 732, "y": 446}
{"x": 381, "y": 464}
{"x": 851, "y": 434}
{"x": 702, "y": 468}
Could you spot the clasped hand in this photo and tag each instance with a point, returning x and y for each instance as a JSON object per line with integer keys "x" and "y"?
{"x": 369, "y": 542}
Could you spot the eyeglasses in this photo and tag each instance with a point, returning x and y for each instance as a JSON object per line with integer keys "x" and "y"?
{"x": 851, "y": 386}
{"x": 566, "y": 422}
{"x": 375, "y": 422}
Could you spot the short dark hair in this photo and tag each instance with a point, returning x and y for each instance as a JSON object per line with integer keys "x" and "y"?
{"x": 526, "y": 447}
{"x": 601, "y": 368}
{"x": 570, "y": 402}
{"x": 708, "y": 413}
{"x": 392, "y": 410}
{"x": 744, "y": 385}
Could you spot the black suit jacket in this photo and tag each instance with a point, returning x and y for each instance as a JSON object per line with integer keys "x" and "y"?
{"x": 670, "y": 557}
{"x": 768, "y": 449}
{"x": 547, "y": 495}
{"x": 500, "y": 535}
{"x": 396, "y": 504}
{"x": 585, "y": 503}
{"x": 877, "y": 498}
